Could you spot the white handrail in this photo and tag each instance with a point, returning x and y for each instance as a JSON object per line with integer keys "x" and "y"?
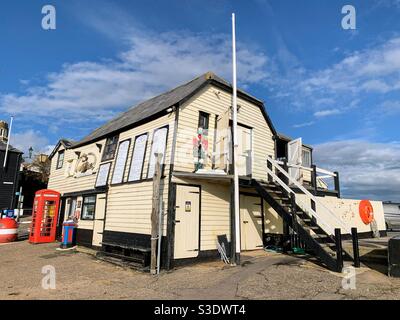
{"x": 307, "y": 193}
{"x": 309, "y": 211}
{"x": 329, "y": 173}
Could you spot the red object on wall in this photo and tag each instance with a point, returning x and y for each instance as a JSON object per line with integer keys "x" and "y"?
{"x": 366, "y": 211}
{"x": 8, "y": 230}
{"x": 44, "y": 216}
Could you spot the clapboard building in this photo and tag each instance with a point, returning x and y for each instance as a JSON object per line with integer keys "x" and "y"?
{"x": 9, "y": 172}
{"x": 106, "y": 179}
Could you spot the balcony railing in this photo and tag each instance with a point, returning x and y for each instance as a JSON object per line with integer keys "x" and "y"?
{"x": 318, "y": 176}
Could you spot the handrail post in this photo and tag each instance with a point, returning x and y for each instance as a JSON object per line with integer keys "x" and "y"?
{"x": 337, "y": 184}
{"x": 339, "y": 250}
{"x": 294, "y": 218}
{"x": 356, "y": 251}
{"x": 314, "y": 178}
{"x": 269, "y": 166}
{"x": 286, "y": 168}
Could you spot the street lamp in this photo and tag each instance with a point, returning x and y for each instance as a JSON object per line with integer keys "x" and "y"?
{"x": 30, "y": 152}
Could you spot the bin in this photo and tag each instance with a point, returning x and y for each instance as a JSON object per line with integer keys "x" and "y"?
{"x": 8, "y": 230}
{"x": 69, "y": 235}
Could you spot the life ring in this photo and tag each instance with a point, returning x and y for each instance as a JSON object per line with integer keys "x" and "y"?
{"x": 366, "y": 211}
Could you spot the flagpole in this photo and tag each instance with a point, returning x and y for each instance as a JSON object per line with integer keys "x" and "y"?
{"x": 235, "y": 146}
{"x": 8, "y": 143}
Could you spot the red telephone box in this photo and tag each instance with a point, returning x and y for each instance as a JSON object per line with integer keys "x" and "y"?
{"x": 44, "y": 216}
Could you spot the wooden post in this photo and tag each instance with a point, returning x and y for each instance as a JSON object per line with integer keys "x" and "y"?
{"x": 294, "y": 219}
{"x": 337, "y": 184}
{"x": 339, "y": 250}
{"x": 314, "y": 179}
{"x": 269, "y": 165}
{"x": 356, "y": 251}
{"x": 286, "y": 168}
{"x": 155, "y": 214}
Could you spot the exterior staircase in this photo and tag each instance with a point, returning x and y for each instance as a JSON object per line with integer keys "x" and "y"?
{"x": 305, "y": 218}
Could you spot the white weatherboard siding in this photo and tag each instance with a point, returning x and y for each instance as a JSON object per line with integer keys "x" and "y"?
{"x": 59, "y": 179}
{"x": 215, "y": 102}
{"x": 214, "y": 211}
{"x": 129, "y": 205}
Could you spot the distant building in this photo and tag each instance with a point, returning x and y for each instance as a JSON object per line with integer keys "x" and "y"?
{"x": 9, "y": 173}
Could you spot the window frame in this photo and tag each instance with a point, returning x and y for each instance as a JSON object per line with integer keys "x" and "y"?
{"x": 303, "y": 151}
{"x": 115, "y": 162}
{"x": 104, "y": 158}
{"x": 207, "y": 116}
{"x": 144, "y": 158}
{"x": 108, "y": 174}
{"x": 151, "y": 151}
{"x": 84, "y": 205}
{"x": 61, "y": 152}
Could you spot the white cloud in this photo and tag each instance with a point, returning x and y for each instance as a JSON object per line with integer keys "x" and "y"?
{"x": 374, "y": 71}
{"x": 389, "y": 107}
{"x": 152, "y": 64}
{"x": 31, "y": 138}
{"x": 326, "y": 113}
{"x": 375, "y": 86}
{"x": 304, "y": 124}
{"x": 367, "y": 170}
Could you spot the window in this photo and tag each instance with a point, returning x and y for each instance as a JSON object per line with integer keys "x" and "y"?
{"x": 306, "y": 157}
{"x": 159, "y": 146}
{"x": 137, "y": 161}
{"x": 119, "y": 166}
{"x": 109, "y": 149}
{"x": 89, "y": 205}
{"x": 60, "y": 159}
{"x": 203, "y": 122}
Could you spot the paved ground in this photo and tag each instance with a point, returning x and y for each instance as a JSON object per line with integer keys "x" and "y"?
{"x": 261, "y": 276}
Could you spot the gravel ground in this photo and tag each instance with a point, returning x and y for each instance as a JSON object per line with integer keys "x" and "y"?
{"x": 261, "y": 276}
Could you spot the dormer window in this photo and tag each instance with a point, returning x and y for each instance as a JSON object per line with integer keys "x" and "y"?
{"x": 110, "y": 148}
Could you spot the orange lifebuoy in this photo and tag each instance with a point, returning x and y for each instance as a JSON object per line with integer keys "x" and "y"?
{"x": 366, "y": 211}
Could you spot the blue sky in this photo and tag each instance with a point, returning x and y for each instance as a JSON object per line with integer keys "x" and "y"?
{"x": 337, "y": 89}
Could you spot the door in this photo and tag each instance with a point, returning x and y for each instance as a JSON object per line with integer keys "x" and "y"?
{"x": 244, "y": 151}
{"x": 251, "y": 223}
{"x": 187, "y": 215}
{"x": 60, "y": 220}
{"x": 99, "y": 217}
{"x": 72, "y": 208}
{"x": 221, "y": 148}
{"x": 294, "y": 157}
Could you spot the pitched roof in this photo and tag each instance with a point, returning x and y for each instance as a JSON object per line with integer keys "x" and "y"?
{"x": 284, "y": 137}
{"x": 3, "y": 147}
{"x": 161, "y": 103}
{"x": 67, "y": 143}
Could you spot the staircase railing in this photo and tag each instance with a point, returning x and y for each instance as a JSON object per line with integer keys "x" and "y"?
{"x": 321, "y": 215}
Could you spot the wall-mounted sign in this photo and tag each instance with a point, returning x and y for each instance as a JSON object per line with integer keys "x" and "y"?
{"x": 120, "y": 163}
{"x": 139, "y": 151}
{"x": 102, "y": 175}
{"x": 159, "y": 146}
{"x": 188, "y": 206}
{"x": 85, "y": 165}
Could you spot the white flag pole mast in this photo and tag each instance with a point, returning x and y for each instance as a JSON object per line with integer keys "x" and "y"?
{"x": 235, "y": 145}
{"x": 8, "y": 143}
